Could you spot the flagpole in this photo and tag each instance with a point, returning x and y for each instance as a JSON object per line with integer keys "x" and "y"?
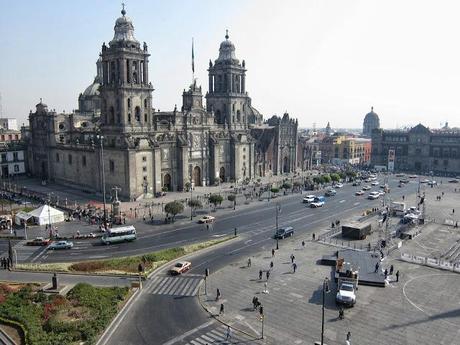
{"x": 193, "y": 63}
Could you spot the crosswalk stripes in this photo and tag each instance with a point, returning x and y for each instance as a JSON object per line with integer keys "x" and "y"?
{"x": 217, "y": 336}
{"x": 174, "y": 286}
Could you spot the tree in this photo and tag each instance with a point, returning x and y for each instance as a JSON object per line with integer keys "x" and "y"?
{"x": 286, "y": 185}
{"x": 326, "y": 178}
{"x": 174, "y": 208}
{"x": 216, "y": 199}
{"x": 317, "y": 179}
{"x": 274, "y": 190}
{"x": 232, "y": 198}
{"x": 195, "y": 204}
{"x": 335, "y": 177}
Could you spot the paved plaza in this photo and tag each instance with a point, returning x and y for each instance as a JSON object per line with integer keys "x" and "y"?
{"x": 422, "y": 308}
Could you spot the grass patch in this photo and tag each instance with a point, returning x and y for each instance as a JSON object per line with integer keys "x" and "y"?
{"x": 54, "y": 319}
{"x": 125, "y": 265}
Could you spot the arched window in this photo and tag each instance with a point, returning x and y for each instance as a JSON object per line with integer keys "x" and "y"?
{"x": 137, "y": 113}
{"x": 145, "y": 117}
{"x": 238, "y": 116}
{"x": 129, "y": 117}
{"x": 145, "y": 103}
{"x": 129, "y": 102}
{"x": 112, "y": 115}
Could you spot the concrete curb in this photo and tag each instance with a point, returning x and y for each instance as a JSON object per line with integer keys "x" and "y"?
{"x": 8, "y": 338}
{"x": 80, "y": 274}
{"x": 118, "y": 316}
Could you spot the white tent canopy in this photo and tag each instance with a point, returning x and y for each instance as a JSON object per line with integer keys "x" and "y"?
{"x": 21, "y": 216}
{"x": 46, "y": 215}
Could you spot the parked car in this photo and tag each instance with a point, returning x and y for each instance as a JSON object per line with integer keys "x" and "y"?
{"x": 308, "y": 199}
{"x": 61, "y": 245}
{"x": 366, "y": 187}
{"x": 284, "y": 232}
{"x": 375, "y": 183}
{"x": 206, "y": 219}
{"x": 39, "y": 241}
{"x": 180, "y": 268}
{"x": 346, "y": 294}
{"x": 330, "y": 192}
{"x": 404, "y": 180}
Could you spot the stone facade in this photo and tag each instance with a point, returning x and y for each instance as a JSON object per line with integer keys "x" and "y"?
{"x": 418, "y": 150}
{"x": 144, "y": 151}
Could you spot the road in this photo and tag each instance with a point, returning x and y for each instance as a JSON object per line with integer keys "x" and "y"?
{"x": 256, "y": 222}
{"x": 166, "y": 307}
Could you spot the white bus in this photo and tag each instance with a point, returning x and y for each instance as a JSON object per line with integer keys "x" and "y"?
{"x": 121, "y": 234}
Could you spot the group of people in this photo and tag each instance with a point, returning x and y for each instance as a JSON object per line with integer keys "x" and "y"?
{"x": 386, "y": 272}
{"x": 6, "y": 263}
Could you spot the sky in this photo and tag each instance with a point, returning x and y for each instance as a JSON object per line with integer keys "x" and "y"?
{"x": 323, "y": 60}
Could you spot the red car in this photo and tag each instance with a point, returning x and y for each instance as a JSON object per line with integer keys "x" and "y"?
{"x": 39, "y": 241}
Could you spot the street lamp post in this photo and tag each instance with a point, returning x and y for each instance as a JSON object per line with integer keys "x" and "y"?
{"x": 278, "y": 209}
{"x": 191, "y": 205}
{"x": 101, "y": 141}
{"x": 325, "y": 290}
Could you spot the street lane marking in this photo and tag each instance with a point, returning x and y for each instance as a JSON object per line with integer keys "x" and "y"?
{"x": 186, "y": 334}
{"x": 175, "y": 286}
{"x": 356, "y": 204}
{"x": 342, "y": 201}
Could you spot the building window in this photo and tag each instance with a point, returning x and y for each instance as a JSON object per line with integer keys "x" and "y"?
{"x": 137, "y": 113}
{"x": 15, "y": 156}
{"x": 145, "y": 178}
{"x": 16, "y": 168}
{"x": 70, "y": 159}
{"x": 129, "y": 117}
{"x": 244, "y": 157}
{"x": 129, "y": 103}
{"x": 111, "y": 166}
{"x": 4, "y": 157}
{"x": 446, "y": 162}
{"x": 144, "y": 169}
{"x": 145, "y": 103}
{"x": 144, "y": 158}
{"x": 244, "y": 149}
{"x": 83, "y": 161}
{"x": 145, "y": 117}
{"x": 57, "y": 157}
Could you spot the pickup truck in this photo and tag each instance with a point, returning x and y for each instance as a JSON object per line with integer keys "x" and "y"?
{"x": 346, "y": 294}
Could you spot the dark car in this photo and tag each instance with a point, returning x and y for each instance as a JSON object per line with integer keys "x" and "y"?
{"x": 284, "y": 232}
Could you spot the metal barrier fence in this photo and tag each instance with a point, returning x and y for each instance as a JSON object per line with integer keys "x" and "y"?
{"x": 431, "y": 262}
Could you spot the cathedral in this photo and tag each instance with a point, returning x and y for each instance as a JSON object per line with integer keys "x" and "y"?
{"x": 143, "y": 151}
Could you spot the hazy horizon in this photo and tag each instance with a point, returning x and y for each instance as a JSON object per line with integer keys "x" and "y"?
{"x": 322, "y": 61}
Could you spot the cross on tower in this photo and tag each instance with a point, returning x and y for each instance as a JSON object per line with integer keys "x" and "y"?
{"x": 123, "y": 12}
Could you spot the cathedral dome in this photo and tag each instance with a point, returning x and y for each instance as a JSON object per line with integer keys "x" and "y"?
{"x": 371, "y": 116}
{"x": 227, "y": 50}
{"x": 93, "y": 89}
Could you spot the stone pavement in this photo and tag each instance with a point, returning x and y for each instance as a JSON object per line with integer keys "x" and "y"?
{"x": 423, "y": 308}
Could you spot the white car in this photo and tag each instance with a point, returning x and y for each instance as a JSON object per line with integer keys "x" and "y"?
{"x": 413, "y": 176}
{"x": 375, "y": 183}
{"x": 373, "y": 195}
{"x": 338, "y": 185}
{"x": 316, "y": 204}
{"x": 61, "y": 245}
{"x": 180, "y": 267}
{"x": 359, "y": 192}
{"x": 308, "y": 199}
{"x": 425, "y": 181}
{"x": 346, "y": 295}
{"x": 366, "y": 187}
{"x": 206, "y": 219}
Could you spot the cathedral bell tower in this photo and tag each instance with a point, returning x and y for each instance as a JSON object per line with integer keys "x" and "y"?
{"x": 126, "y": 92}
{"x": 227, "y": 95}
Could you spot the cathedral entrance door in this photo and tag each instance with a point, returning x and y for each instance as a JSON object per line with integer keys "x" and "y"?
{"x": 285, "y": 165}
{"x": 197, "y": 176}
{"x": 167, "y": 181}
{"x": 222, "y": 174}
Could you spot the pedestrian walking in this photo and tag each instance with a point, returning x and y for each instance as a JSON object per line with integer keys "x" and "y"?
{"x": 273, "y": 253}
{"x": 249, "y": 262}
{"x": 221, "y": 311}
{"x": 376, "y": 267}
{"x": 268, "y": 275}
{"x": 254, "y": 304}
{"x": 386, "y": 273}
{"x": 217, "y": 295}
{"x": 229, "y": 332}
{"x": 294, "y": 267}
{"x": 271, "y": 264}
{"x": 292, "y": 258}
{"x": 391, "y": 270}
{"x": 260, "y": 274}
{"x": 303, "y": 244}
{"x": 313, "y": 236}
{"x": 265, "y": 288}
{"x": 397, "y": 276}
{"x": 453, "y": 210}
